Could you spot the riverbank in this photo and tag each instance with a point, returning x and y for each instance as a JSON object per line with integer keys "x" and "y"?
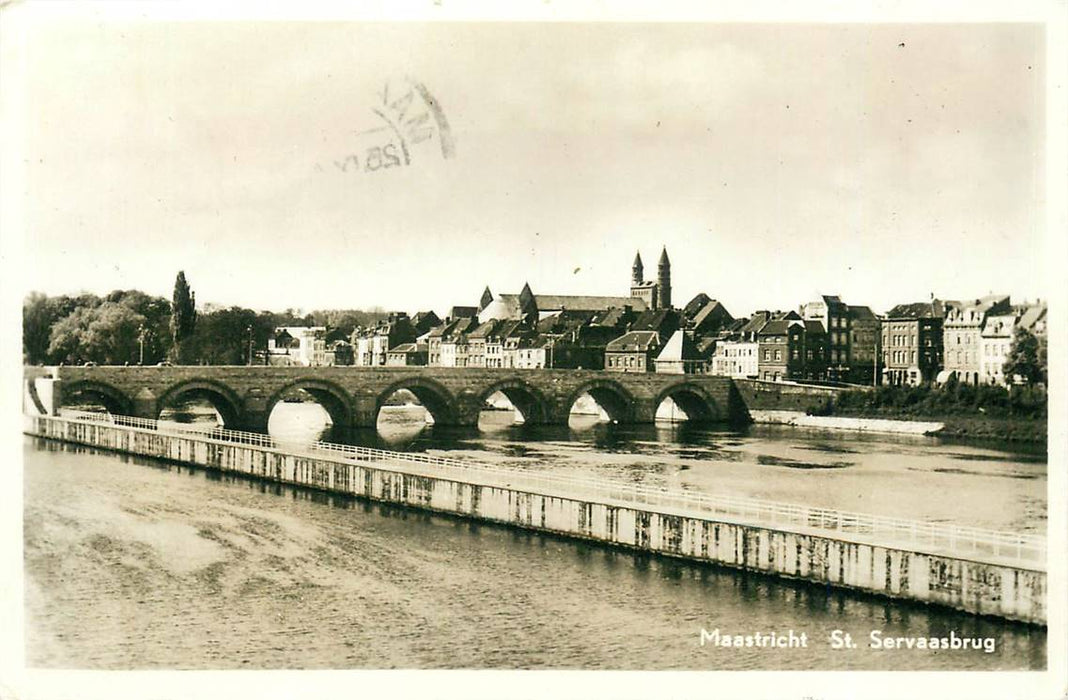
{"x": 1016, "y": 414}
{"x": 1021, "y": 430}
{"x": 1029, "y": 430}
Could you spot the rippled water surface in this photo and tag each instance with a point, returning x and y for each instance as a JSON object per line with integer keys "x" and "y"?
{"x": 993, "y": 486}
{"x": 137, "y": 564}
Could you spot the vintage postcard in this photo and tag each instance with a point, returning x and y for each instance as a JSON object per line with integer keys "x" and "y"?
{"x": 446, "y": 351}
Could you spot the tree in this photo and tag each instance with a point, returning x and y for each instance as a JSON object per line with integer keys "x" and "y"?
{"x": 183, "y": 316}
{"x": 38, "y": 316}
{"x": 222, "y": 336}
{"x": 67, "y": 339}
{"x": 157, "y": 327}
{"x": 106, "y": 334}
{"x": 1027, "y": 358}
{"x": 112, "y": 335}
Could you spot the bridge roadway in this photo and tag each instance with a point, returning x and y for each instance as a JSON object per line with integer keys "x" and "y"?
{"x": 353, "y": 396}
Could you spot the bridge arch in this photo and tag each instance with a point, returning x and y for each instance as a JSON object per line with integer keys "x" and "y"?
{"x": 610, "y": 395}
{"x": 332, "y": 397}
{"x": 116, "y": 401}
{"x": 527, "y": 399}
{"x": 694, "y": 400}
{"x": 435, "y": 398}
{"x": 224, "y": 399}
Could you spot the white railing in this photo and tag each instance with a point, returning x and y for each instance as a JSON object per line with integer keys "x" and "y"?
{"x": 958, "y": 539}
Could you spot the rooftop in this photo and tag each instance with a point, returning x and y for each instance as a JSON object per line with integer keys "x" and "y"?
{"x": 920, "y": 309}
{"x": 634, "y": 341}
{"x": 679, "y": 347}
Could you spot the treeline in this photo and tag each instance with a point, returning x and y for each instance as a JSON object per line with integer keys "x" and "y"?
{"x": 951, "y": 399}
{"x": 113, "y": 328}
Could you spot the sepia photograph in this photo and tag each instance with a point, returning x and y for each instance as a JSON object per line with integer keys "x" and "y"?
{"x": 447, "y": 340}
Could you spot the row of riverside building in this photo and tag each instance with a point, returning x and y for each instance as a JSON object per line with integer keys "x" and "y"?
{"x": 825, "y": 340}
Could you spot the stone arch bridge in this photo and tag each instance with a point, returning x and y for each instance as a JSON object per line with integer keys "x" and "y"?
{"x": 353, "y": 396}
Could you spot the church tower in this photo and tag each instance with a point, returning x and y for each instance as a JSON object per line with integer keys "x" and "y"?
{"x": 663, "y": 280}
{"x": 637, "y": 271}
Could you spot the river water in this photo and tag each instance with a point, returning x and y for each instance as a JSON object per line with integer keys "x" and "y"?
{"x": 133, "y": 563}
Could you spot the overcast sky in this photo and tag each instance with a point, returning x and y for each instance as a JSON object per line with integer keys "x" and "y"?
{"x": 776, "y": 162}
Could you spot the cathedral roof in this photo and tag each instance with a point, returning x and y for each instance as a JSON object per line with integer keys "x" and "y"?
{"x": 559, "y": 302}
{"x": 501, "y": 309}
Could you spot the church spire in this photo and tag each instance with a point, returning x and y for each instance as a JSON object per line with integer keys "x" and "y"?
{"x": 637, "y": 270}
{"x": 487, "y": 297}
{"x": 663, "y": 280}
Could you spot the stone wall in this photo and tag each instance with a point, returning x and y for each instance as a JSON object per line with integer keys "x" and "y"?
{"x": 779, "y": 396}
{"x": 1009, "y": 591}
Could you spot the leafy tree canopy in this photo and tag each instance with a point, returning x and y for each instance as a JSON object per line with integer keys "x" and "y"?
{"x": 1027, "y": 358}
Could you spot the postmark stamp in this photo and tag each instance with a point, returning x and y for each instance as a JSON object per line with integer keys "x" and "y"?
{"x": 406, "y": 122}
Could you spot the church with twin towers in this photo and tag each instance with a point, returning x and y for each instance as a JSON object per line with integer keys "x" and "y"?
{"x": 656, "y": 295}
{"x": 644, "y": 296}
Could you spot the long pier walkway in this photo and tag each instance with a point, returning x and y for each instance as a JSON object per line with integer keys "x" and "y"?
{"x": 979, "y": 571}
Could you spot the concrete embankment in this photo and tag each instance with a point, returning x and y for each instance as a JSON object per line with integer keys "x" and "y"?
{"x": 995, "y": 585}
{"x": 870, "y": 425}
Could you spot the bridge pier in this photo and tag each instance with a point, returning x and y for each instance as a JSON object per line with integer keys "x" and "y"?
{"x": 251, "y": 422}
{"x": 642, "y": 412}
{"x": 559, "y": 413}
{"x": 364, "y": 412}
{"x": 146, "y": 405}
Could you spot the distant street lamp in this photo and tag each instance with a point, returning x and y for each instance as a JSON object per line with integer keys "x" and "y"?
{"x": 141, "y": 343}
{"x": 250, "y": 346}
{"x": 875, "y": 367}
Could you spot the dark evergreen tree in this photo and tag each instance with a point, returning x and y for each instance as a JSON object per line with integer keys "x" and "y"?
{"x": 183, "y": 316}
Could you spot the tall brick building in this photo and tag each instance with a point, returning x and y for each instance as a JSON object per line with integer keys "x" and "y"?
{"x": 837, "y": 321}
{"x": 912, "y": 343}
